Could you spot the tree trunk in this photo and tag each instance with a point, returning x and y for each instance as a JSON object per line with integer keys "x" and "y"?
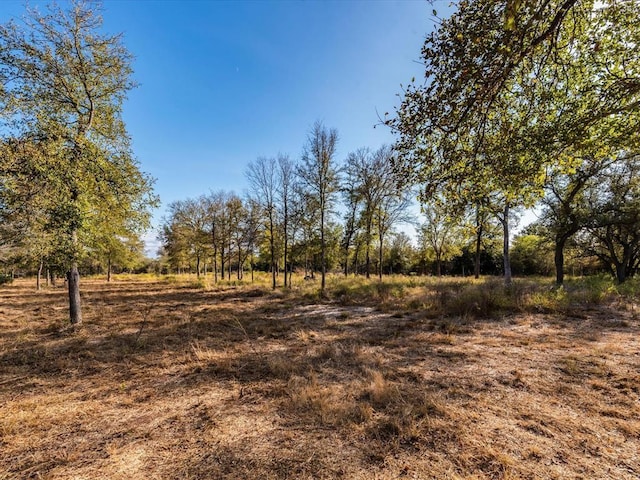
{"x": 286, "y": 245}
{"x": 381, "y": 238}
{"x": 109, "y": 268}
{"x": 322, "y": 251}
{"x": 347, "y": 244}
{"x": 346, "y": 259}
{"x": 623, "y": 268}
{"x": 215, "y": 267}
{"x": 559, "y": 259}
{"x": 215, "y": 252}
{"x": 38, "y": 276}
{"x": 355, "y": 259}
{"x": 367, "y": 260}
{"x": 621, "y": 274}
{"x": 476, "y": 271}
{"x": 273, "y": 251}
{"x": 229, "y": 263}
{"x": 222, "y": 262}
{"x": 73, "y": 282}
{"x": 505, "y": 246}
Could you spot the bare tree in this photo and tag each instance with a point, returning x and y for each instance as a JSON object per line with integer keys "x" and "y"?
{"x": 352, "y": 196}
{"x": 384, "y": 203}
{"x": 286, "y": 178}
{"x": 320, "y": 176}
{"x": 263, "y": 178}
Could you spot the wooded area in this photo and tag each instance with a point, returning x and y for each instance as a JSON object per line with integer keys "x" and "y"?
{"x": 522, "y": 106}
{"x": 299, "y": 329}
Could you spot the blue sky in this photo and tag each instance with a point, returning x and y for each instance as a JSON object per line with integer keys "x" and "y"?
{"x": 221, "y": 83}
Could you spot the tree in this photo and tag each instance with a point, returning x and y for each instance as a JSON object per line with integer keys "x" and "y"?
{"x": 234, "y": 211}
{"x": 372, "y": 191}
{"x": 439, "y": 235}
{"x": 613, "y": 232}
{"x": 24, "y": 203}
{"x": 360, "y": 169}
{"x": 263, "y": 178}
{"x": 187, "y": 229}
{"x": 65, "y": 82}
{"x": 392, "y": 200}
{"x": 286, "y": 193}
{"x": 237, "y": 216}
{"x": 400, "y": 254}
{"x": 215, "y": 212}
{"x": 352, "y": 195}
{"x": 534, "y": 49}
{"x": 566, "y": 210}
{"x": 480, "y": 225}
{"x": 250, "y": 227}
{"x": 319, "y": 175}
{"x": 531, "y": 255}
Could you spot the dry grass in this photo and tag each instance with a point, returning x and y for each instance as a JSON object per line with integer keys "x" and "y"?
{"x": 416, "y": 379}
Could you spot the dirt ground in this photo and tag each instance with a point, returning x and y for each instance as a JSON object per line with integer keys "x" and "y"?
{"x": 169, "y": 381}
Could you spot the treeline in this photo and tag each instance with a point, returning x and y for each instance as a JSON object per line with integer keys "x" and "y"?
{"x": 523, "y": 105}
{"x": 290, "y": 218}
{"x": 344, "y": 216}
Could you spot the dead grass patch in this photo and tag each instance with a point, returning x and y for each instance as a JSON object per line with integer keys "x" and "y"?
{"x": 419, "y": 379}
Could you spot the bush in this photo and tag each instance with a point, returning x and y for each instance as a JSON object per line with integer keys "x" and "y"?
{"x": 5, "y": 278}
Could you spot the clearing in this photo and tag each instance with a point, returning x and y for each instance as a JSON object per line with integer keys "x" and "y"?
{"x": 170, "y": 380}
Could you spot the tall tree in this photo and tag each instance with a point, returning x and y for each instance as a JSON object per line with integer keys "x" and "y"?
{"x": 352, "y": 197}
{"x": 565, "y": 208}
{"x": 363, "y": 197}
{"x": 65, "y": 81}
{"x": 319, "y": 174}
{"x": 286, "y": 192}
{"x": 250, "y": 228}
{"x": 391, "y": 199}
{"x": 263, "y": 178}
{"x": 215, "y": 205}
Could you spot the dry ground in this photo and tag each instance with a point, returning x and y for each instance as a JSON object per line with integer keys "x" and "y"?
{"x": 167, "y": 380}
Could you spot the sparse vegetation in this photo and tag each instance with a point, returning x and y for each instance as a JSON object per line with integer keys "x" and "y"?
{"x": 417, "y": 377}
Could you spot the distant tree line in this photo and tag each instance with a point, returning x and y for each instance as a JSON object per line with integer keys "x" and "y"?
{"x": 289, "y": 219}
{"x": 523, "y": 104}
